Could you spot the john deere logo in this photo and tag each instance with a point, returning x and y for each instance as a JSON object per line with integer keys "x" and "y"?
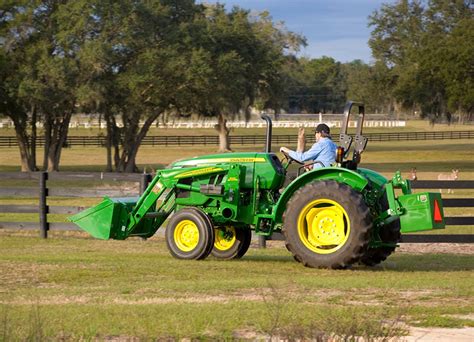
{"x": 247, "y": 160}
{"x": 233, "y": 160}
{"x": 199, "y": 172}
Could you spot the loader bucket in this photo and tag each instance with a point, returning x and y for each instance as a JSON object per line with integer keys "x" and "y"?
{"x": 106, "y": 220}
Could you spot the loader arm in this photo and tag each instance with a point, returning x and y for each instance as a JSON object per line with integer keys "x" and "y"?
{"x": 148, "y": 201}
{"x": 120, "y": 218}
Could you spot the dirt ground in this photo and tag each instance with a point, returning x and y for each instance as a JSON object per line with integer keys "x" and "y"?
{"x": 439, "y": 335}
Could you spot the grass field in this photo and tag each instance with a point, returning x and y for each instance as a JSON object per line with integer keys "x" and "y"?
{"x": 412, "y": 126}
{"x": 74, "y": 288}
{"x": 429, "y": 157}
{"x": 71, "y": 288}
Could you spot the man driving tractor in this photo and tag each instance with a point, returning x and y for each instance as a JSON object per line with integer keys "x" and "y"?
{"x": 322, "y": 153}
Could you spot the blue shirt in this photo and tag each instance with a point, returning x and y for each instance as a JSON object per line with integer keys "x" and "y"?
{"x": 324, "y": 151}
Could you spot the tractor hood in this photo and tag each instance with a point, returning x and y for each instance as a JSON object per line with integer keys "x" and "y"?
{"x": 263, "y": 168}
{"x": 223, "y": 158}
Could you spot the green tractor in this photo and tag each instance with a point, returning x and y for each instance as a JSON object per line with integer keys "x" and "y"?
{"x": 330, "y": 217}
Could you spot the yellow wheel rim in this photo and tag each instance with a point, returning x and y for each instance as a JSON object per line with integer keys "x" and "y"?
{"x": 186, "y": 235}
{"x": 224, "y": 238}
{"x": 323, "y": 226}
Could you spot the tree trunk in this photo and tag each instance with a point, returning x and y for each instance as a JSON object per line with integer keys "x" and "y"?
{"x": 47, "y": 141}
{"x": 27, "y": 150}
{"x": 57, "y": 135}
{"x": 221, "y": 127}
{"x": 114, "y": 138}
{"x": 108, "y": 147}
{"x": 131, "y": 164}
{"x": 125, "y": 159}
{"x": 130, "y": 131}
{"x": 109, "y": 139}
{"x": 33, "y": 138}
{"x": 23, "y": 144}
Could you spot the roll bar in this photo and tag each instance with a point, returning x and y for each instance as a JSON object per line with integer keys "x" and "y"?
{"x": 345, "y": 140}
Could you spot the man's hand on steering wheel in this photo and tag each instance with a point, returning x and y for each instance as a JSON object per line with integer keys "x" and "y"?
{"x": 285, "y": 150}
{"x": 286, "y": 154}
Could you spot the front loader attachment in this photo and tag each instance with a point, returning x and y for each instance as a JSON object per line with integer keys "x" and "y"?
{"x": 119, "y": 218}
{"x": 109, "y": 219}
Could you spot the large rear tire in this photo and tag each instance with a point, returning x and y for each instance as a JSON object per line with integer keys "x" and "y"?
{"x": 389, "y": 234}
{"x": 231, "y": 242}
{"x": 327, "y": 224}
{"x": 190, "y": 234}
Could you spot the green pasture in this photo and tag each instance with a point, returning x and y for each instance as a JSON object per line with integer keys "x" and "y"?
{"x": 412, "y": 126}
{"x": 429, "y": 157}
{"x": 71, "y": 288}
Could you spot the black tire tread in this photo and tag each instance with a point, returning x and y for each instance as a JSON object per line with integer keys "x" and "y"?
{"x": 346, "y": 258}
{"x": 375, "y": 256}
{"x": 240, "y": 250}
{"x": 208, "y": 243}
{"x": 389, "y": 234}
{"x": 209, "y": 222}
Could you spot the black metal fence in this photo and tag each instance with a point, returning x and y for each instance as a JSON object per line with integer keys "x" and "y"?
{"x": 466, "y": 220}
{"x": 46, "y": 189}
{"x": 213, "y": 140}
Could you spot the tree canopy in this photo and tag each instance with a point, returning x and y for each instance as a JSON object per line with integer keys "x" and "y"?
{"x": 428, "y": 53}
{"x": 132, "y": 62}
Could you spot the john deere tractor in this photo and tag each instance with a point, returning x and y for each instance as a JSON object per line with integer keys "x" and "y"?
{"x": 330, "y": 217}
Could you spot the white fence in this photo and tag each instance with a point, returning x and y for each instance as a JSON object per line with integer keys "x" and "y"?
{"x": 232, "y": 124}
{"x": 283, "y": 124}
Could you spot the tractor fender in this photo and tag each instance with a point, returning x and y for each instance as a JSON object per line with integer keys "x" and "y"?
{"x": 375, "y": 178}
{"x": 351, "y": 178}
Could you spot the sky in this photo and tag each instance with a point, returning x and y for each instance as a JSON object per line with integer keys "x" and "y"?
{"x": 334, "y": 28}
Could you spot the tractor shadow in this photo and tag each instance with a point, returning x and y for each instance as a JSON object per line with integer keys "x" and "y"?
{"x": 395, "y": 263}
{"x": 423, "y": 263}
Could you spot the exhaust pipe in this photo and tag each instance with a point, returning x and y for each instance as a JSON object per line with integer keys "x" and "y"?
{"x": 268, "y": 141}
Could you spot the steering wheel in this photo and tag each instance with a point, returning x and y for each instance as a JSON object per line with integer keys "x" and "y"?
{"x": 289, "y": 160}
{"x": 303, "y": 166}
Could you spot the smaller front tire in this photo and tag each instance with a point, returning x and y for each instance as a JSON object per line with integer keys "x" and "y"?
{"x": 190, "y": 235}
{"x": 231, "y": 242}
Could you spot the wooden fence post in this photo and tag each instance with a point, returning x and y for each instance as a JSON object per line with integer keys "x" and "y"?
{"x": 43, "y": 207}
